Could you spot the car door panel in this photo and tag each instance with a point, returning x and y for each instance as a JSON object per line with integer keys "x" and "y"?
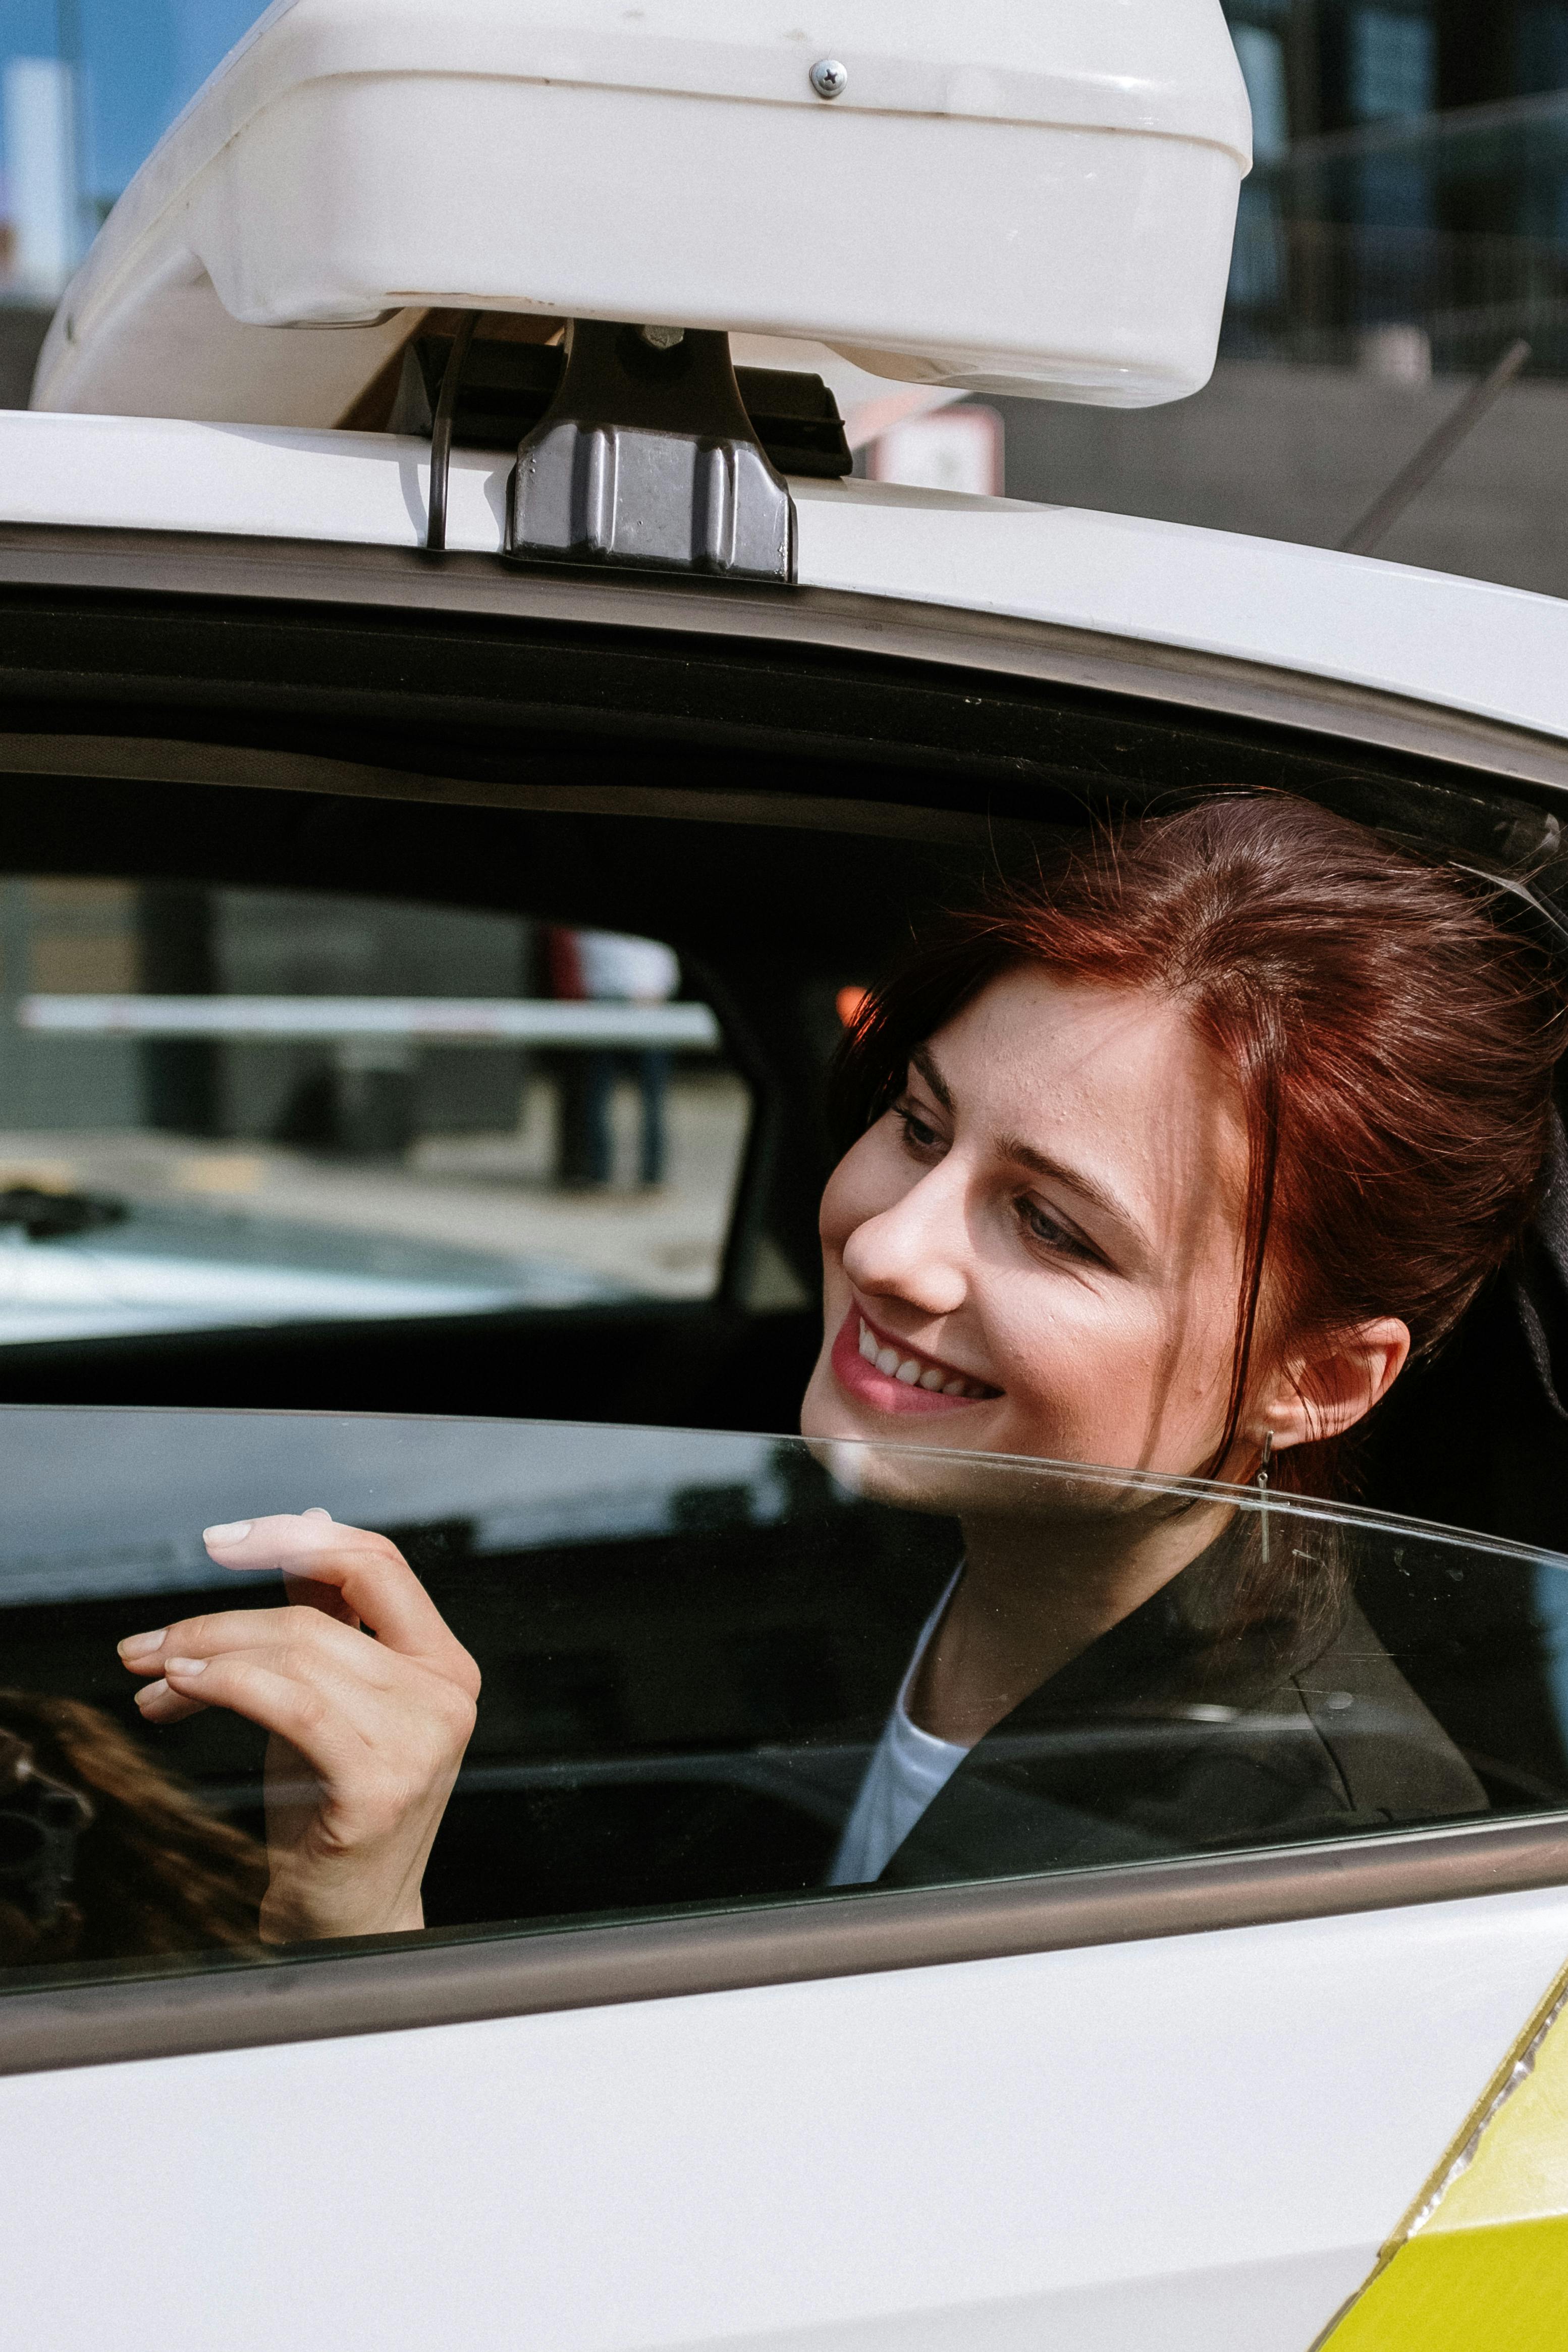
{"x": 1200, "y": 2140}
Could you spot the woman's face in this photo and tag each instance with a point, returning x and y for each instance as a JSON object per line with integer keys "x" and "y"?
{"x": 1038, "y": 1249}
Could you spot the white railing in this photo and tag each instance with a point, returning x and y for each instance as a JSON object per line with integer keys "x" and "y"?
{"x": 414, "y": 1020}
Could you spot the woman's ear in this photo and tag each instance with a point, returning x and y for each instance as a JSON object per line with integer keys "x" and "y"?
{"x": 1327, "y": 1390}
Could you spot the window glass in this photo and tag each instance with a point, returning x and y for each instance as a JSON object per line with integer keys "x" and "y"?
{"x": 222, "y": 1106}
{"x": 693, "y": 1650}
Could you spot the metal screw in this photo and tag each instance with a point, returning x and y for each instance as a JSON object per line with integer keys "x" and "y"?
{"x": 664, "y": 339}
{"x": 829, "y": 78}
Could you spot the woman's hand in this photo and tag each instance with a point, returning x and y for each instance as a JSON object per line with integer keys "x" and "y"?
{"x": 370, "y": 1702}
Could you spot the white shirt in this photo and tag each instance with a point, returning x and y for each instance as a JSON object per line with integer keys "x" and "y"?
{"x": 909, "y": 1768}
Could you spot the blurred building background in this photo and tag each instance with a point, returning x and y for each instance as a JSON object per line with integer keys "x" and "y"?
{"x": 87, "y": 87}
{"x": 1406, "y": 219}
{"x": 1407, "y": 216}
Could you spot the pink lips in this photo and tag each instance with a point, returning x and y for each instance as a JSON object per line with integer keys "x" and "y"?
{"x": 879, "y": 1390}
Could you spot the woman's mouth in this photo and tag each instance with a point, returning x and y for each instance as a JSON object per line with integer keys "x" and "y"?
{"x": 893, "y": 1376}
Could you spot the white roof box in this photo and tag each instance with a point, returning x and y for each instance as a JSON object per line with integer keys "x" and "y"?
{"x": 1002, "y": 194}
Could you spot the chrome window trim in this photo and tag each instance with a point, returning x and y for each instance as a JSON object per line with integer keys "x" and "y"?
{"x": 205, "y": 2006}
{"x": 200, "y": 564}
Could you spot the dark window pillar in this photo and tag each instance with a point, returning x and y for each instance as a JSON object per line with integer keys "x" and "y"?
{"x": 181, "y": 1075}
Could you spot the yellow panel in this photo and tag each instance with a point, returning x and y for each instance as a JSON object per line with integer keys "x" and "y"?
{"x": 1480, "y": 2261}
{"x": 1497, "y": 2290}
{"x": 1520, "y": 2171}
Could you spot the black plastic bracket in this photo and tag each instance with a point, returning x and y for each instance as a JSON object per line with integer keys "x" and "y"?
{"x": 501, "y": 389}
{"x": 646, "y": 459}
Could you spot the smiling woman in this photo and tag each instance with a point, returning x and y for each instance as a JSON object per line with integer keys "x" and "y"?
{"x": 1162, "y": 1165}
{"x": 1167, "y": 1161}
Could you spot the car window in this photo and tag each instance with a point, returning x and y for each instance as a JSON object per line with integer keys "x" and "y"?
{"x": 692, "y": 1647}
{"x": 244, "y": 1107}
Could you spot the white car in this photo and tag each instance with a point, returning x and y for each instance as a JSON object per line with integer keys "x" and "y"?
{"x": 289, "y": 637}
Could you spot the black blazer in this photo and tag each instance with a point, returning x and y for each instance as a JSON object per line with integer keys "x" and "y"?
{"x": 1185, "y": 1729}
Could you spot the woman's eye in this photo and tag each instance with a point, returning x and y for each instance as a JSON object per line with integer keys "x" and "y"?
{"x": 1041, "y": 1226}
{"x": 918, "y": 1133}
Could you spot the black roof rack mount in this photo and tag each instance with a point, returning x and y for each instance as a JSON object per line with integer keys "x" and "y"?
{"x": 640, "y": 447}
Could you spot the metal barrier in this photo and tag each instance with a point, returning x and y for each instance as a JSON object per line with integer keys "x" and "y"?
{"x": 404, "y": 1019}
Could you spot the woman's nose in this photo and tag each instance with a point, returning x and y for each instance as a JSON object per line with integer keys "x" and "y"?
{"x": 917, "y": 1250}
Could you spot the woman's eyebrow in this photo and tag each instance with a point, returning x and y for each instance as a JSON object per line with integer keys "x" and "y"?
{"x": 1088, "y": 1188}
{"x": 920, "y": 1060}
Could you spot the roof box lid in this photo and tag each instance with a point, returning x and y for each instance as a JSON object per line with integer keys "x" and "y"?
{"x": 1002, "y": 197}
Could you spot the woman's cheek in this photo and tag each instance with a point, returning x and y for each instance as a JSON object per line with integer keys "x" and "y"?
{"x": 1082, "y": 1381}
{"x": 1131, "y": 1393}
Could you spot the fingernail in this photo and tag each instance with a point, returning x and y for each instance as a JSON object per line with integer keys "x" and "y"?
{"x": 233, "y": 1532}
{"x": 136, "y": 1646}
{"x": 159, "y": 1689}
{"x": 316, "y": 1511}
{"x": 185, "y": 1665}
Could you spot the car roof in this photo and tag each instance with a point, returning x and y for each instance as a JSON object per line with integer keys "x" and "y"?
{"x": 1456, "y": 644}
{"x": 194, "y": 296}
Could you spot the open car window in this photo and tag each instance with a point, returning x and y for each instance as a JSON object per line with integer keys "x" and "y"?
{"x": 223, "y": 1108}
{"x": 691, "y": 1643}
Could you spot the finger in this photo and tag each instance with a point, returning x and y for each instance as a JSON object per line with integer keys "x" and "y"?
{"x": 390, "y": 1701}
{"x": 298, "y": 1628}
{"x": 281, "y": 1702}
{"x": 159, "y": 1703}
{"x": 338, "y": 1726}
{"x": 375, "y": 1718}
{"x": 142, "y": 1654}
{"x": 371, "y": 1575}
{"x": 311, "y": 1594}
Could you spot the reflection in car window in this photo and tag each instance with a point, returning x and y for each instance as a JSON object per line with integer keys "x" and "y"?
{"x": 228, "y": 1106}
{"x": 693, "y": 1648}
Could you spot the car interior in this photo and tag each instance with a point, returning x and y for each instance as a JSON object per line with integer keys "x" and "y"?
{"x": 779, "y": 814}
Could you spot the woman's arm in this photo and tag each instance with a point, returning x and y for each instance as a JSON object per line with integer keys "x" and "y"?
{"x": 369, "y": 1701}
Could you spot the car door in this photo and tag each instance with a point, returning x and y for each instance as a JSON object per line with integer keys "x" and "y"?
{"x": 645, "y": 2079}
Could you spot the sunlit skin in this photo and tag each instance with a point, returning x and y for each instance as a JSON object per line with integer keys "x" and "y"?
{"x": 1052, "y": 1213}
{"x": 369, "y": 1701}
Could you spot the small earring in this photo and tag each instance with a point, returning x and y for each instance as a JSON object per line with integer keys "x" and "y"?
{"x": 1261, "y": 1482}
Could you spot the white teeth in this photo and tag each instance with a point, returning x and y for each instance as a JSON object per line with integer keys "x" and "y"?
{"x": 910, "y": 1370}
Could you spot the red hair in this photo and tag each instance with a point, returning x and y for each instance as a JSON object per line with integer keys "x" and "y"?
{"x": 1392, "y": 1042}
